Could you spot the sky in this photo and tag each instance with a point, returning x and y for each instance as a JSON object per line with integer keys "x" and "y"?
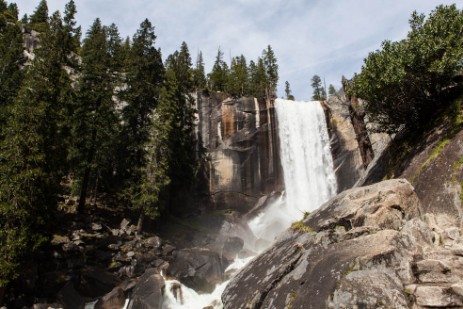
{"x": 329, "y": 38}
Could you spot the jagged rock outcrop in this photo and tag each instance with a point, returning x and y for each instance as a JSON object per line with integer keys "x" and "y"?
{"x": 240, "y": 141}
{"x": 347, "y": 158}
{"x": 367, "y": 247}
{"x": 354, "y": 140}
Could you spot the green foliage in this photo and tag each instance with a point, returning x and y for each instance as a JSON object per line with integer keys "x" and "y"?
{"x": 301, "y": 227}
{"x": 11, "y": 61}
{"x": 292, "y": 297}
{"x": 181, "y": 142}
{"x": 258, "y": 78}
{"x": 319, "y": 93}
{"x": 29, "y": 181}
{"x": 95, "y": 122}
{"x": 289, "y": 96}
{"x": 39, "y": 19}
{"x": 218, "y": 77}
{"x": 406, "y": 82}
{"x": 306, "y": 214}
{"x": 434, "y": 154}
{"x": 180, "y": 63}
{"x": 331, "y": 90}
{"x": 238, "y": 78}
{"x": 40, "y": 14}
{"x": 145, "y": 73}
{"x": 199, "y": 75}
{"x": 71, "y": 35}
{"x": 271, "y": 71}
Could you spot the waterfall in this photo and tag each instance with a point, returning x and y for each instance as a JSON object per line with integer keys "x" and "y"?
{"x": 307, "y": 167}
{"x": 305, "y": 155}
{"x": 309, "y": 182}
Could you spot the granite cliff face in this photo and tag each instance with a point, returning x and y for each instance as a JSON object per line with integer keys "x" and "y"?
{"x": 368, "y": 247}
{"x": 239, "y": 140}
{"x": 354, "y": 144}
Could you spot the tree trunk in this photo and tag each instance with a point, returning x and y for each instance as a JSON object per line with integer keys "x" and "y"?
{"x": 95, "y": 190}
{"x": 2, "y": 293}
{"x": 86, "y": 179}
{"x": 141, "y": 218}
{"x": 83, "y": 191}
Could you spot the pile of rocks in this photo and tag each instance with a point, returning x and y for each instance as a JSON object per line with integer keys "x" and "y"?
{"x": 93, "y": 259}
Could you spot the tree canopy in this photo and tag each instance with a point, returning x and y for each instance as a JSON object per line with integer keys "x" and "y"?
{"x": 319, "y": 93}
{"x": 406, "y": 82}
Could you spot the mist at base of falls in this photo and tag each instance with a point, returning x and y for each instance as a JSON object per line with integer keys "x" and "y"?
{"x": 309, "y": 182}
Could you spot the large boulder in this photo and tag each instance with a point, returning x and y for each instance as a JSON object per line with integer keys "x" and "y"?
{"x": 149, "y": 291}
{"x": 198, "y": 268}
{"x": 365, "y": 248}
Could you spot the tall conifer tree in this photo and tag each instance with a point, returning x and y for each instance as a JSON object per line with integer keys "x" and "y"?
{"x": 11, "y": 60}
{"x": 95, "y": 119}
{"x": 145, "y": 73}
{"x": 271, "y": 71}
{"x": 238, "y": 78}
{"x": 39, "y": 19}
{"x": 199, "y": 73}
{"x": 31, "y": 155}
{"x": 219, "y": 74}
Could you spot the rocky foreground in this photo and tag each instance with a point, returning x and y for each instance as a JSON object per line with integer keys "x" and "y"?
{"x": 368, "y": 247}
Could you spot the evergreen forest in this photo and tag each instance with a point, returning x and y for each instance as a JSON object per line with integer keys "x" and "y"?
{"x": 93, "y": 114}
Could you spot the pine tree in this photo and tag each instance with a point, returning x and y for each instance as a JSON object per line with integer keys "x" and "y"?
{"x": 39, "y": 19}
{"x": 170, "y": 160}
{"x": 32, "y": 157}
{"x": 71, "y": 35}
{"x": 271, "y": 70}
{"x": 199, "y": 73}
{"x": 145, "y": 73}
{"x": 180, "y": 63}
{"x": 319, "y": 93}
{"x": 182, "y": 142}
{"x": 151, "y": 193}
{"x": 116, "y": 49}
{"x": 238, "y": 78}
{"x": 94, "y": 119}
{"x": 27, "y": 190}
{"x": 172, "y": 136}
{"x": 258, "y": 78}
{"x": 289, "y": 96}
{"x": 13, "y": 10}
{"x": 219, "y": 75}
{"x": 11, "y": 60}
{"x": 331, "y": 90}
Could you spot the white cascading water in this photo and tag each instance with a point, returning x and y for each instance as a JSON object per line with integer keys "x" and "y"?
{"x": 309, "y": 182}
{"x": 305, "y": 155}
{"x": 307, "y": 167}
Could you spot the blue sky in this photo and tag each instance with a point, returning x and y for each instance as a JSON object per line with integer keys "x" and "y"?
{"x": 329, "y": 38}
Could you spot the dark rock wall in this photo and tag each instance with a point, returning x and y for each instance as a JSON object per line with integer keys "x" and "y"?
{"x": 238, "y": 139}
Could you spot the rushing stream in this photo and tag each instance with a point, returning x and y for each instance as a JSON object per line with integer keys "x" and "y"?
{"x": 309, "y": 182}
